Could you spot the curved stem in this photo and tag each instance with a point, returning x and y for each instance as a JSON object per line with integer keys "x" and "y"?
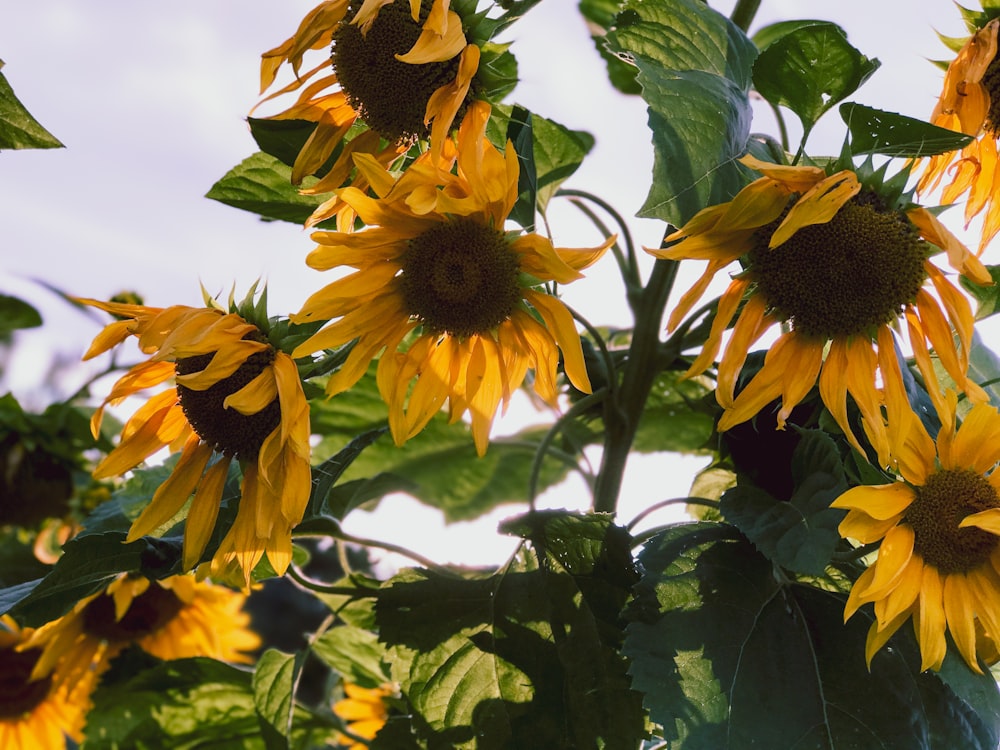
{"x": 331, "y": 527}
{"x": 622, "y": 420}
{"x": 324, "y": 588}
{"x": 628, "y": 264}
{"x": 544, "y": 447}
{"x": 666, "y": 503}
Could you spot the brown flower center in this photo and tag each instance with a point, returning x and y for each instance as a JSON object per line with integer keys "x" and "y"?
{"x": 460, "y": 278}
{"x": 18, "y": 693}
{"x": 845, "y": 277}
{"x": 227, "y": 430}
{"x": 991, "y": 82}
{"x": 150, "y": 611}
{"x": 941, "y": 504}
{"x": 389, "y": 95}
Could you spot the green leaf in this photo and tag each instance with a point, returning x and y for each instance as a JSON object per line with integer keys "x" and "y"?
{"x": 700, "y": 124}
{"x": 520, "y": 134}
{"x": 18, "y": 129}
{"x": 355, "y": 653}
{"x": 282, "y": 139}
{"x": 765, "y": 36}
{"x": 602, "y": 14}
{"x": 810, "y": 69}
{"x": 325, "y": 475}
{"x": 87, "y": 566}
{"x": 558, "y": 151}
{"x": 273, "y": 684}
{"x": 262, "y": 185}
{"x": 439, "y": 466}
{"x": 523, "y": 658}
{"x": 672, "y": 419}
{"x": 682, "y": 35}
{"x": 694, "y": 69}
{"x": 16, "y": 313}
{"x": 183, "y": 704}
{"x": 878, "y": 132}
{"x": 984, "y": 367}
{"x": 728, "y": 655}
{"x": 987, "y": 297}
{"x": 800, "y": 534}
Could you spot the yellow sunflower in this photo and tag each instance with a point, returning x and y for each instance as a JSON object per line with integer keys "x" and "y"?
{"x": 830, "y": 259}
{"x": 446, "y": 293}
{"x": 968, "y": 104}
{"x": 35, "y": 714}
{"x": 939, "y": 529}
{"x": 364, "y": 712}
{"x": 236, "y": 396}
{"x": 174, "y": 618}
{"x": 404, "y": 68}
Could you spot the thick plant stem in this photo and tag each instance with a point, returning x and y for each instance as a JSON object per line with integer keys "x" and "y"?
{"x": 744, "y": 12}
{"x": 621, "y": 416}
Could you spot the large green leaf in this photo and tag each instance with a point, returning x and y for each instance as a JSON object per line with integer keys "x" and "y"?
{"x": 694, "y": 69}
{"x": 729, "y": 655}
{"x": 684, "y": 35}
{"x": 439, "y": 466}
{"x": 18, "y": 129}
{"x": 800, "y": 534}
{"x": 355, "y": 653}
{"x": 261, "y": 184}
{"x": 700, "y": 124}
{"x": 875, "y": 131}
{"x": 810, "y": 69}
{"x": 88, "y": 564}
{"x": 527, "y": 657}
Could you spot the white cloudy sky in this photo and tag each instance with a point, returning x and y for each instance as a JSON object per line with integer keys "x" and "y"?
{"x": 149, "y": 99}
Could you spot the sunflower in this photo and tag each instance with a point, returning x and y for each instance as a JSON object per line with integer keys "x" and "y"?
{"x": 174, "y": 618}
{"x": 836, "y": 263}
{"x": 364, "y": 712}
{"x": 35, "y": 714}
{"x": 939, "y": 529}
{"x": 236, "y": 396}
{"x": 970, "y": 103}
{"x": 404, "y": 69}
{"x": 445, "y": 291}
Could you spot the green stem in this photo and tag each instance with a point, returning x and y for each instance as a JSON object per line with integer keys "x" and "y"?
{"x": 744, "y": 12}
{"x": 621, "y": 415}
{"x": 666, "y": 504}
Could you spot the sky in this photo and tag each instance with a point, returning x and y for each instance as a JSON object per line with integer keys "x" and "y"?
{"x": 150, "y": 101}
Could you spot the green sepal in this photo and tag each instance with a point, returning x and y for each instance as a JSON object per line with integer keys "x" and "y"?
{"x": 18, "y": 129}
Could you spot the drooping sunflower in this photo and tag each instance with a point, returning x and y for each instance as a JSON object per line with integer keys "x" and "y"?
{"x": 364, "y": 712}
{"x": 970, "y": 103}
{"x": 36, "y": 714}
{"x": 836, "y": 261}
{"x": 237, "y": 396}
{"x": 448, "y": 295}
{"x": 174, "y": 618}
{"x": 939, "y": 534}
{"x": 405, "y": 69}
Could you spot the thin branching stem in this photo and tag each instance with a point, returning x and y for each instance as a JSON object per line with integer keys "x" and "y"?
{"x": 667, "y": 503}
{"x": 544, "y": 446}
{"x": 629, "y": 264}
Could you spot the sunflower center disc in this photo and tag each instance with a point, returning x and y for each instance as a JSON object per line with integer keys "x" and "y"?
{"x": 18, "y": 694}
{"x": 460, "y": 278}
{"x": 941, "y": 504}
{"x": 389, "y": 95}
{"x": 844, "y": 277}
{"x": 150, "y": 611}
{"x": 227, "y": 430}
{"x": 991, "y": 82}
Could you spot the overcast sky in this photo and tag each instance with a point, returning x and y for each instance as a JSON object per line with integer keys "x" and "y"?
{"x": 149, "y": 99}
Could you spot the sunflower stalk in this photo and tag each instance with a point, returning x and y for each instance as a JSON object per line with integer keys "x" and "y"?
{"x": 622, "y": 414}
